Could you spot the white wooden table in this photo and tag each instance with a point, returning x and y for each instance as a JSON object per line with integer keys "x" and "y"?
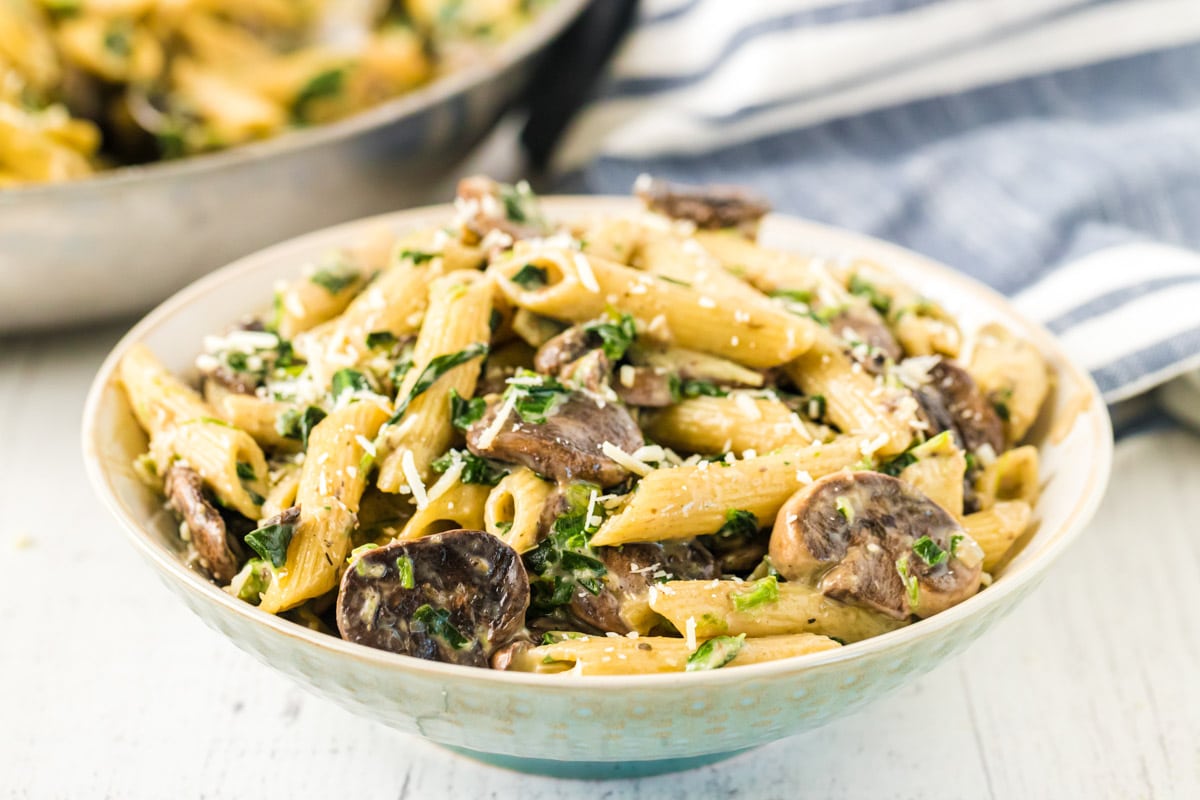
{"x": 110, "y": 688}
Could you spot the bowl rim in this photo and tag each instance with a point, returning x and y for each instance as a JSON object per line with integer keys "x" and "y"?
{"x": 1092, "y": 410}
{"x": 546, "y": 25}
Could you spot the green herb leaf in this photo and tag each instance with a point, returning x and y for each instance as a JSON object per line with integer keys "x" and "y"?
{"x": 335, "y": 279}
{"x": 716, "y": 653}
{"x": 910, "y": 582}
{"x": 564, "y": 559}
{"x": 295, "y": 424}
{"x": 616, "y": 336}
{"x": 531, "y": 276}
{"x": 271, "y": 542}
{"x": 675, "y": 281}
{"x": 535, "y": 395}
{"x": 955, "y": 541}
{"x": 929, "y": 551}
{"x": 701, "y": 389}
{"x": 348, "y": 380}
{"x": 381, "y": 340}
{"x": 793, "y": 295}
{"x": 475, "y": 469}
{"x": 896, "y": 465}
{"x": 521, "y": 204}
{"x": 118, "y": 39}
{"x": 418, "y": 257}
{"x": 321, "y": 86}
{"x": 436, "y": 369}
{"x": 738, "y": 524}
{"x": 760, "y": 593}
{"x": 463, "y": 412}
{"x": 436, "y": 622}
{"x": 258, "y": 580}
{"x": 844, "y": 508}
{"x": 878, "y": 300}
{"x": 245, "y": 471}
{"x": 404, "y": 566}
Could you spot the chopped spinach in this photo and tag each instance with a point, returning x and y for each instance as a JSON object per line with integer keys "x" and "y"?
{"x": 531, "y": 276}
{"x": 381, "y": 340}
{"x": 437, "y": 368}
{"x": 465, "y": 412}
{"x": 564, "y": 559}
{"x": 475, "y": 469}
{"x": 296, "y": 424}
{"x": 321, "y": 86}
{"x": 271, "y": 542}
{"x": 436, "y": 623}
{"x": 616, "y": 336}
{"x": 761, "y": 592}
{"x": 863, "y": 288}
{"x": 716, "y": 653}
{"x": 348, "y": 380}
{"x": 404, "y": 566}
{"x": 738, "y": 524}
{"x": 929, "y": 551}
{"x": 335, "y": 279}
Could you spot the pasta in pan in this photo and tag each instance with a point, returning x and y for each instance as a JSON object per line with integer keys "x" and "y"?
{"x": 498, "y": 448}
{"x": 88, "y": 84}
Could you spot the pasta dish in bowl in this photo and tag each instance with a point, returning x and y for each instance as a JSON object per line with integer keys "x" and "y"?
{"x": 604, "y": 444}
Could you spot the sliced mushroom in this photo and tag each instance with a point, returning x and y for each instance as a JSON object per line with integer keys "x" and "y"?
{"x": 564, "y": 348}
{"x": 873, "y": 540}
{"x": 218, "y": 552}
{"x": 872, "y": 342}
{"x": 647, "y": 387}
{"x": 710, "y": 207}
{"x": 567, "y": 446}
{"x": 456, "y": 597}
{"x": 623, "y": 604}
{"x": 487, "y": 209}
{"x": 975, "y": 420}
{"x": 590, "y": 371}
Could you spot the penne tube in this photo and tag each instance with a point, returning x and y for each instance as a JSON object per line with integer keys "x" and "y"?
{"x": 686, "y": 261}
{"x": 997, "y": 528}
{"x": 938, "y": 473}
{"x": 736, "y": 423}
{"x": 855, "y": 401}
{"x": 1012, "y": 374}
{"x": 687, "y": 501}
{"x": 711, "y": 608}
{"x": 285, "y": 482}
{"x": 255, "y": 415}
{"x": 763, "y": 268}
{"x": 514, "y": 508}
{"x": 450, "y": 505}
{"x": 602, "y": 655}
{"x": 692, "y": 365}
{"x": 459, "y": 306}
{"x": 393, "y": 303}
{"x": 1012, "y": 476}
{"x": 579, "y": 288}
{"x": 332, "y": 480}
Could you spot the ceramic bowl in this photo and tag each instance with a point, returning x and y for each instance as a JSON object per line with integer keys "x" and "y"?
{"x": 121, "y": 241}
{"x": 589, "y": 726}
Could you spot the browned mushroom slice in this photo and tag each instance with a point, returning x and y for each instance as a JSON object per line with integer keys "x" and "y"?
{"x": 456, "y": 597}
{"x": 623, "y": 603}
{"x": 561, "y": 350}
{"x": 975, "y": 420}
{"x": 873, "y": 540}
{"x": 648, "y": 387}
{"x": 710, "y": 207}
{"x": 590, "y": 371}
{"x": 568, "y": 446}
{"x": 217, "y": 551}
{"x": 871, "y": 341}
{"x": 491, "y": 206}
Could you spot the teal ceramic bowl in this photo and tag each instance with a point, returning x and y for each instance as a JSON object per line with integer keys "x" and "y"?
{"x": 596, "y": 726}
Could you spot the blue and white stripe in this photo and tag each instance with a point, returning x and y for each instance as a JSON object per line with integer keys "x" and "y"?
{"x": 1047, "y": 147}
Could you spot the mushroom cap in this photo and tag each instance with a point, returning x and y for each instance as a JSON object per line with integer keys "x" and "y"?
{"x": 623, "y": 603}
{"x": 710, "y": 207}
{"x": 467, "y": 597}
{"x": 218, "y": 552}
{"x": 975, "y": 420}
{"x": 853, "y": 535}
{"x": 862, "y": 323}
{"x": 567, "y": 446}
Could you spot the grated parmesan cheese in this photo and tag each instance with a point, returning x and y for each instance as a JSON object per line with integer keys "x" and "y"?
{"x": 625, "y": 459}
{"x": 690, "y": 626}
{"x": 413, "y": 478}
{"x": 586, "y": 276}
{"x": 489, "y": 435}
{"x": 366, "y": 444}
{"x": 747, "y": 406}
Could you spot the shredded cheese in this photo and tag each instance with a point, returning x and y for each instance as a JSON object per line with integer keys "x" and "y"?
{"x": 586, "y": 276}
{"x": 493, "y": 430}
{"x": 690, "y": 626}
{"x": 625, "y": 460}
{"x": 413, "y": 478}
{"x": 747, "y": 406}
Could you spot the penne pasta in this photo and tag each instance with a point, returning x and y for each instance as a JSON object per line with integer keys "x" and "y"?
{"x": 580, "y": 288}
{"x": 598, "y": 655}
{"x": 1013, "y": 375}
{"x": 687, "y": 501}
{"x": 712, "y": 608}
{"x": 514, "y": 508}
{"x": 997, "y": 528}
{"x": 330, "y": 489}
{"x": 736, "y": 423}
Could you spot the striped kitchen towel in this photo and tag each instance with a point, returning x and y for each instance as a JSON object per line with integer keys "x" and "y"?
{"x": 1050, "y": 148}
